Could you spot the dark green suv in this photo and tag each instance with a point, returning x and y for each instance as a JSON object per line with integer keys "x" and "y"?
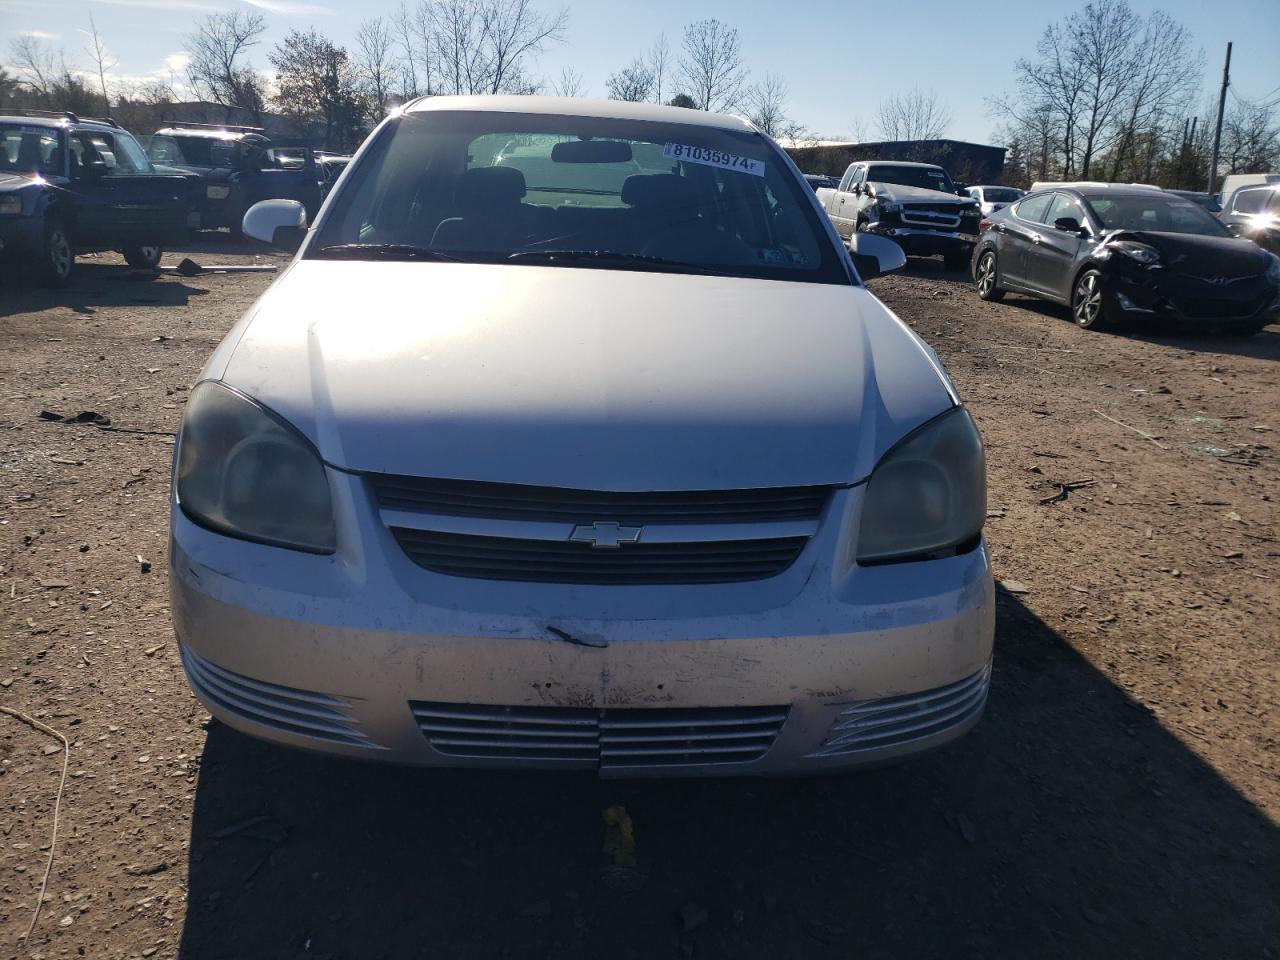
{"x": 73, "y": 185}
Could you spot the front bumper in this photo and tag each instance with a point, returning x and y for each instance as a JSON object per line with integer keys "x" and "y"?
{"x": 21, "y": 238}
{"x": 366, "y": 655}
{"x": 1140, "y": 298}
{"x": 921, "y": 242}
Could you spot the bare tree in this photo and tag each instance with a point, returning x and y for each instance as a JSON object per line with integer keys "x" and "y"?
{"x": 35, "y": 63}
{"x": 658, "y": 62}
{"x": 1250, "y": 138}
{"x": 402, "y": 25}
{"x": 1104, "y": 93}
{"x": 513, "y": 30}
{"x": 217, "y": 70}
{"x": 711, "y": 68}
{"x": 1163, "y": 71}
{"x": 767, "y": 105}
{"x": 569, "y": 84}
{"x": 633, "y": 83}
{"x": 102, "y": 60}
{"x": 912, "y": 115}
{"x": 374, "y": 62}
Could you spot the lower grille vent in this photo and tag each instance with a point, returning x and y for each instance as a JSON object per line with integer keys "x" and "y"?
{"x": 608, "y": 738}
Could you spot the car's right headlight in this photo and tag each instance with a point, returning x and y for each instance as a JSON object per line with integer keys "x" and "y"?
{"x": 11, "y": 204}
{"x": 245, "y": 472}
{"x": 927, "y": 497}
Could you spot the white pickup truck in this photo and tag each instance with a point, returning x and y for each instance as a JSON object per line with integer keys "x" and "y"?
{"x": 914, "y": 204}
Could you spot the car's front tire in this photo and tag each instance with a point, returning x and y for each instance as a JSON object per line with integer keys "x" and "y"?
{"x": 1089, "y": 303}
{"x": 987, "y": 277}
{"x": 142, "y": 256}
{"x": 57, "y": 257}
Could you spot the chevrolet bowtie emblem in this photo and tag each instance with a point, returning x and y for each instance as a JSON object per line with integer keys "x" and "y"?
{"x": 605, "y": 535}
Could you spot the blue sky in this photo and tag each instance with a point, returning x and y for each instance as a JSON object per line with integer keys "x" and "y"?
{"x": 839, "y": 57}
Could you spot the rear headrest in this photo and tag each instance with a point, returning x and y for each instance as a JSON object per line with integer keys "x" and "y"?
{"x": 491, "y": 187}
{"x": 659, "y": 191}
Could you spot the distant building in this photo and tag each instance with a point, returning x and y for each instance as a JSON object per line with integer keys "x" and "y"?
{"x": 966, "y": 162}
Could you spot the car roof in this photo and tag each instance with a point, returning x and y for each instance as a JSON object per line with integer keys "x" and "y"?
{"x": 213, "y": 134}
{"x": 901, "y": 163}
{"x": 56, "y": 122}
{"x": 581, "y": 107}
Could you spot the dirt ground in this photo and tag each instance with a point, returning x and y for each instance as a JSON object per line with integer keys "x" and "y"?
{"x": 1119, "y": 799}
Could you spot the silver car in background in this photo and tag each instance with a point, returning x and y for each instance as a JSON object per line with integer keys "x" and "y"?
{"x": 572, "y": 439}
{"x": 991, "y": 198}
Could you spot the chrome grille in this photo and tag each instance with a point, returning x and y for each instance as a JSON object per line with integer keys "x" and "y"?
{"x": 317, "y": 715}
{"x": 893, "y": 721}
{"x": 507, "y": 501}
{"x": 607, "y": 738}
{"x": 937, "y": 216}
{"x": 566, "y": 561}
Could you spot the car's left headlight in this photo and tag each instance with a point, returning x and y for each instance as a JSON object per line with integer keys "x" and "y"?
{"x": 11, "y": 204}
{"x": 890, "y": 207}
{"x": 927, "y": 497}
{"x": 1140, "y": 252}
{"x": 245, "y": 472}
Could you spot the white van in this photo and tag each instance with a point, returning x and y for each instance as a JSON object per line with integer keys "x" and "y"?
{"x": 1234, "y": 181}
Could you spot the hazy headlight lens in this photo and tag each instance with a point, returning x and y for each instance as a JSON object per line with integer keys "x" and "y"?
{"x": 927, "y": 495}
{"x": 217, "y": 193}
{"x": 243, "y": 472}
{"x": 11, "y": 204}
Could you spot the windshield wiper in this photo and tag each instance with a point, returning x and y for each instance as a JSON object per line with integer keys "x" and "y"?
{"x": 383, "y": 251}
{"x": 614, "y": 257}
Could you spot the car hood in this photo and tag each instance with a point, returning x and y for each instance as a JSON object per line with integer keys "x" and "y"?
{"x": 898, "y": 193}
{"x": 1202, "y": 255}
{"x": 588, "y": 378}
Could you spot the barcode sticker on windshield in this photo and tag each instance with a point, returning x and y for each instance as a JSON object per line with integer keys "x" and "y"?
{"x": 713, "y": 158}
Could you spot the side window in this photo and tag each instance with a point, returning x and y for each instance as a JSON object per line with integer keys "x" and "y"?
{"x": 858, "y": 176}
{"x": 1249, "y": 201}
{"x": 1033, "y": 208}
{"x": 121, "y": 154}
{"x": 847, "y": 180}
{"x": 1064, "y": 206}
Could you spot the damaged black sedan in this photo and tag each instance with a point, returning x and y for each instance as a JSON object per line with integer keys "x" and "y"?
{"x": 1118, "y": 254}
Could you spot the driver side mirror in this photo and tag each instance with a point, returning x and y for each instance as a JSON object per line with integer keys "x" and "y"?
{"x": 281, "y": 223}
{"x": 97, "y": 167}
{"x": 874, "y": 255}
{"x": 1068, "y": 225}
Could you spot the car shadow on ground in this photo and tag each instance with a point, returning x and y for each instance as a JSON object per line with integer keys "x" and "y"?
{"x": 96, "y": 285}
{"x": 1264, "y": 345}
{"x": 932, "y": 268}
{"x": 1070, "y": 823}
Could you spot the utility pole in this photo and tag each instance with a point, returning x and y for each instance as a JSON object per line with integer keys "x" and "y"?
{"x": 1217, "y": 133}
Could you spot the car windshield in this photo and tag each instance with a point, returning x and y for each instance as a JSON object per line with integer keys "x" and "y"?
{"x": 1157, "y": 212}
{"x": 29, "y": 149}
{"x": 927, "y": 178}
{"x": 1000, "y": 195}
{"x": 192, "y": 151}
{"x": 572, "y": 191}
